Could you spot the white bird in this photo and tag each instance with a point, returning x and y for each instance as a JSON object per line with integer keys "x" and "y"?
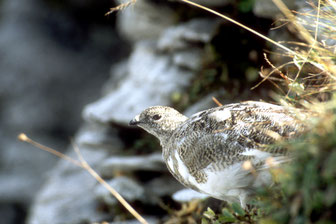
{"x": 223, "y": 151}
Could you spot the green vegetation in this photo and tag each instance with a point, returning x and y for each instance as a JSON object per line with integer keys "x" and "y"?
{"x": 231, "y": 214}
{"x": 306, "y": 191}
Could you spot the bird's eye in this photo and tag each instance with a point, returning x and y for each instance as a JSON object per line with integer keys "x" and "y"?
{"x": 156, "y": 117}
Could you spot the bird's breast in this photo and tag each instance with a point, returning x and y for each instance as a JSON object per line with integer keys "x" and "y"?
{"x": 180, "y": 171}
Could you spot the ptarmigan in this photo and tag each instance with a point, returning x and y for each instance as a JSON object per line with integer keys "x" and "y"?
{"x": 222, "y": 151}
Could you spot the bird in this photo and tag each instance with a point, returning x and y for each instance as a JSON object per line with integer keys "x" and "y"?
{"x": 224, "y": 151}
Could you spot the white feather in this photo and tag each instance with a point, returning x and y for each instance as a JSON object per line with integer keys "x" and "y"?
{"x": 183, "y": 170}
{"x": 258, "y": 154}
{"x": 227, "y": 184}
{"x": 170, "y": 163}
{"x": 220, "y": 115}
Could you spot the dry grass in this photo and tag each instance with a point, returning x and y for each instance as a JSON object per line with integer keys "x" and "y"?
{"x": 121, "y": 7}
{"x": 83, "y": 164}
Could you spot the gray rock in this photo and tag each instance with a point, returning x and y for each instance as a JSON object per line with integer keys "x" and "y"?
{"x": 147, "y": 193}
{"x": 65, "y": 197}
{"x": 213, "y": 3}
{"x": 190, "y": 59}
{"x": 150, "y": 220}
{"x": 182, "y": 36}
{"x": 118, "y": 73}
{"x": 99, "y": 136}
{"x": 126, "y": 187}
{"x": 285, "y": 37}
{"x": 206, "y": 103}
{"x": 111, "y": 165}
{"x": 267, "y": 9}
{"x": 154, "y": 71}
{"x": 151, "y": 19}
{"x": 151, "y": 80}
{"x": 22, "y": 168}
{"x": 300, "y": 4}
{"x": 163, "y": 186}
{"x": 326, "y": 32}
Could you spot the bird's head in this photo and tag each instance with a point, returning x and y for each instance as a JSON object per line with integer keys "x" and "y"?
{"x": 160, "y": 121}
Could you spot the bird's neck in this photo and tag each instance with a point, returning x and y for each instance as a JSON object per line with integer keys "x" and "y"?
{"x": 168, "y": 130}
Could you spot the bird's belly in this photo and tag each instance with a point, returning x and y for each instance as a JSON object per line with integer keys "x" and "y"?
{"x": 226, "y": 184}
{"x": 221, "y": 184}
{"x": 233, "y": 183}
{"x": 230, "y": 184}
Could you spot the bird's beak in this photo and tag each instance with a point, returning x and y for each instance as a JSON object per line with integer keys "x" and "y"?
{"x": 135, "y": 120}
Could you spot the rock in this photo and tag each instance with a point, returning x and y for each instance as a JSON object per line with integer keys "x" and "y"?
{"x": 99, "y": 136}
{"x": 191, "y": 59}
{"x": 206, "y": 103}
{"x": 267, "y": 9}
{"x": 213, "y": 3}
{"x": 151, "y": 19}
{"x": 153, "y": 73}
{"x": 131, "y": 190}
{"x": 111, "y": 165}
{"x": 148, "y": 192}
{"x": 126, "y": 187}
{"x": 20, "y": 165}
{"x": 186, "y": 195}
{"x": 184, "y": 35}
{"x": 59, "y": 200}
{"x": 151, "y": 80}
{"x": 149, "y": 219}
{"x": 326, "y": 32}
{"x": 118, "y": 73}
{"x": 163, "y": 186}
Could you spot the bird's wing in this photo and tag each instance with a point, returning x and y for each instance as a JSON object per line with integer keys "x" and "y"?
{"x": 233, "y": 133}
